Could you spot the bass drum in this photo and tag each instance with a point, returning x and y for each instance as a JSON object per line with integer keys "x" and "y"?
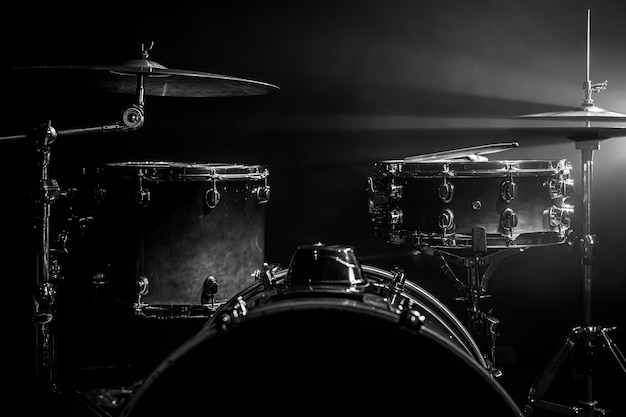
{"x": 288, "y": 347}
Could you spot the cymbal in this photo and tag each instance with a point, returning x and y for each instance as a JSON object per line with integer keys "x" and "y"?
{"x": 584, "y": 113}
{"x": 160, "y": 80}
{"x": 577, "y": 134}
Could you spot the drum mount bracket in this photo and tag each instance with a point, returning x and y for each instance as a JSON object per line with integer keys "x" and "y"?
{"x": 479, "y": 266}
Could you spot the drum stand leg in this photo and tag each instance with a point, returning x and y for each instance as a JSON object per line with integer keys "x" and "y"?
{"x": 587, "y": 337}
{"x": 481, "y": 323}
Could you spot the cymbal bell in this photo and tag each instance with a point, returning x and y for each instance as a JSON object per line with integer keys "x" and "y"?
{"x": 159, "y": 80}
{"x": 584, "y": 113}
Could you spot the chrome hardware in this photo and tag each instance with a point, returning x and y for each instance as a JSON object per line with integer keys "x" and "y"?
{"x": 395, "y": 217}
{"x": 142, "y": 287}
{"x": 142, "y": 196}
{"x": 445, "y": 191}
{"x": 561, "y": 188}
{"x": 476, "y": 205}
{"x": 508, "y": 190}
{"x": 267, "y": 275}
{"x": 394, "y": 190}
{"x": 410, "y": 318}
{"x": 446, "y": 220}
{"x": 240, "y": 309}
{"x": 263, "y": 193}
{"x": 212, "y": 196}
{"x": 49, "y": 191}
{"x": 559, "y": 216}
{"x": 209, "y": 289}
{"x": 508, "y": 219}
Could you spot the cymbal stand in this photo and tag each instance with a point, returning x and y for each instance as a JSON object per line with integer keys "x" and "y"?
{"x": 588, "y": 337}
{"x": 481, "y": 323}
{"x": 48, "y": 268}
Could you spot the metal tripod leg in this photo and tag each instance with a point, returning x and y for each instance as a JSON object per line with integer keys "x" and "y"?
{"x": 586, "y": 337}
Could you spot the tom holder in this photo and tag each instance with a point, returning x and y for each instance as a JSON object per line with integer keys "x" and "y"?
{"x": 479, "y": 266}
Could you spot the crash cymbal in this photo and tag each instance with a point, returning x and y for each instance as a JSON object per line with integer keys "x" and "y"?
{"x": 158, "y": 80}
{"x": 584, "y": 113}
{"x": 577, "y": 134}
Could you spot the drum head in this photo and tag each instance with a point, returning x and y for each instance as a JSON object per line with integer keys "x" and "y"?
{"x": 325, "y": 355}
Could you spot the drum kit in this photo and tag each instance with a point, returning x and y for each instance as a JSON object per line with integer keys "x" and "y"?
{"x": 161, "y": 236}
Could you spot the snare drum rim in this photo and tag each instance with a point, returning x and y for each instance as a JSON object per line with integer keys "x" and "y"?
{"x": 467, "y": 169}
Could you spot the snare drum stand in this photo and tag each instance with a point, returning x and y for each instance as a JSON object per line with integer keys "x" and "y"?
{"x": 481, "y": 323}
{"x": 587, "y": 337}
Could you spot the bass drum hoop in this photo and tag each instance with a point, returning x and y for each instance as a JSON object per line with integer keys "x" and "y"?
{"x": 448, "y": 319}
{"x": 192, "y": 354}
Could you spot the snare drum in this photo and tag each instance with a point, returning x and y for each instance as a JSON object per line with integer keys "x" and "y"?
{"x": 326, "y": 335}
{"x": 176, "y": 239}
{"x": 519, "y": 203}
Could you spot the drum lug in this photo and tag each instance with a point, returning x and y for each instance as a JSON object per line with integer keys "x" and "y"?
{"x": 394, "y": 217}
{"x": 394, "y": 190}
{"x": 508, "y": 190}
{"x": 212, "y": 197}
{"x": 142, "y": 197}
{"x": 209, "y": 289}
{"x": 263, "y": 194}
{"x": 446, "y": 220}
{"x": 445, "y": 191}
{"x": 559, "y": 216}
{"x": 508, "y": 219}
{"x": 561, "y": 188}
{"x": 142, "y": 287}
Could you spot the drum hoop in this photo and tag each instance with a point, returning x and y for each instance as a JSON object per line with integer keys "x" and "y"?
{"x": 456, "y": 240}
{"x": 456, "y": 328}
{"x": 473, "y": 346}
{"x": 459, "y": 169}
{"x": 184, "y": 171}
{"x": 208, "y": 332}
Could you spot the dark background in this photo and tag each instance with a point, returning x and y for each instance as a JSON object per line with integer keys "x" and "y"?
{"x": 359, "y": 82}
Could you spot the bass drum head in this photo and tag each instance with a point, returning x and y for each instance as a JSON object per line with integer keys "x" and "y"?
{"x": 303, "y": 354}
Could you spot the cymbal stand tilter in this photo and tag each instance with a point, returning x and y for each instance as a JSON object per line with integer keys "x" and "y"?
{"x": 481, "y": 323}
{"x": 48, "y": 267}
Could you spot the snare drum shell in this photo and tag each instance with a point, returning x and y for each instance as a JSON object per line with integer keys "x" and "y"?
{"x": 469, "y": 194}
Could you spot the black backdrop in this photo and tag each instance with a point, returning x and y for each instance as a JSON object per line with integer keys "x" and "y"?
{"x": 359, "y": 83}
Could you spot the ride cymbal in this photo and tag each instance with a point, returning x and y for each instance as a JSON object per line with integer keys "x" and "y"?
{"x": 158, "y": 80}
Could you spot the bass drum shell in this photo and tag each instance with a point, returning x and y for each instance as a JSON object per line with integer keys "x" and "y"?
{"x": 316, "y": 350}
